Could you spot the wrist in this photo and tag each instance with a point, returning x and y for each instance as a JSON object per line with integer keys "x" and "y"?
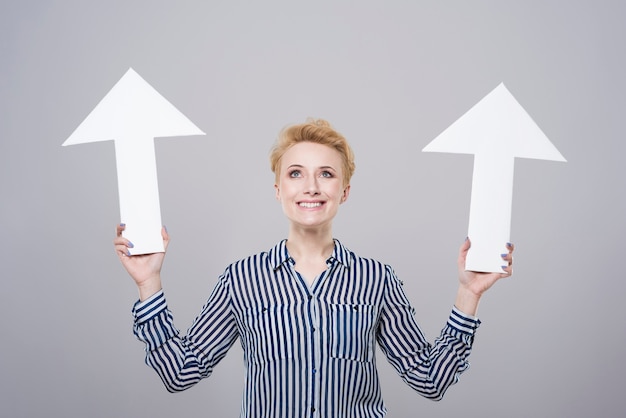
{"x": 467, "y": 301}
{"x": 149, "y": 288}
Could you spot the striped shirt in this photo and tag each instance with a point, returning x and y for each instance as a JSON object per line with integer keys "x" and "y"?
{"x": 309, "y": 351}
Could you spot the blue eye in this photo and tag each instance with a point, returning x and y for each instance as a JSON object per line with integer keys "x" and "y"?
{"x": 294, "y": 173}
{"x": 326, "y": 174}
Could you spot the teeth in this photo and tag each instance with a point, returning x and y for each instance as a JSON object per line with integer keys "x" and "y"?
{"x": 310, "y": 205}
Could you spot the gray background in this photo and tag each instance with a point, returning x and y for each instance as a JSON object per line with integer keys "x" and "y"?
{"x": 390, "y": 76}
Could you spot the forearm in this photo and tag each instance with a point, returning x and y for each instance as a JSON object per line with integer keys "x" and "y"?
{"x": 431, "y": 369}
{"x": 181, "y": 361}
{"x": 467, "y": 301}
{"x": 165, "y": 351}
{"x": 149, "y": 288}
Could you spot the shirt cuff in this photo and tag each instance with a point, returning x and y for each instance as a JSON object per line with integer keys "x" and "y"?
{"x": 463, "y": 322}
{"x": 145, "y": 310}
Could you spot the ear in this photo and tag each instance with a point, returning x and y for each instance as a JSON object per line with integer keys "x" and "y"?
{"x": 277, "y": 190}
{"x": 346, "y": 193}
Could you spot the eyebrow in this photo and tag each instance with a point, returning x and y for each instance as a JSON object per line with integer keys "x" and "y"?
{"x": 324, "y": 167}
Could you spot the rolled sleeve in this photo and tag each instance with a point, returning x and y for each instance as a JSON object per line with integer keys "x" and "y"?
{"x": 459, "y": 321}
{"x": 143, "y": 311}
{"x": 154, "y": 324}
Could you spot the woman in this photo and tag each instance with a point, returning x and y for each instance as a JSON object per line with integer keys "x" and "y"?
{"x": 308, "y": 311}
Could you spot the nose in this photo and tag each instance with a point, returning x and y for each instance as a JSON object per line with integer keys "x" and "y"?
{"x": 312, "y": 186}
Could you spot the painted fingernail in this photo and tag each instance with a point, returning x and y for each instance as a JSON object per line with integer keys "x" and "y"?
{"x": 508, "y": 244}
{"x": 504, "y": 267}
{"x": 131, "y": 245}
{"x": 503, "y": 255}
{"x": 122, "y": 224}
{"x": 128, "y": 253}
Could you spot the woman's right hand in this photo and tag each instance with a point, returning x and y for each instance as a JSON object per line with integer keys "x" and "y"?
{"x": 145, "y": 269}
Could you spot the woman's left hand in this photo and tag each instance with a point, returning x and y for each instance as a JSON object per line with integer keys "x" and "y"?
{"x": 477, "y": 283}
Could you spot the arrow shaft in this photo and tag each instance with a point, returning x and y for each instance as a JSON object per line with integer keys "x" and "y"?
{"x": 139, "y": 193}
{"x": 490, "y": 212}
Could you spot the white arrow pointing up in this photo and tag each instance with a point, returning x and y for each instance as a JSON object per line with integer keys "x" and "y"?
{"x": 133, "y": 114}
{"x": 496, "y": 130}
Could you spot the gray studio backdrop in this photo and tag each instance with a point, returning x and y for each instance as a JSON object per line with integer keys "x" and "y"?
{"x": 390, "y": 75}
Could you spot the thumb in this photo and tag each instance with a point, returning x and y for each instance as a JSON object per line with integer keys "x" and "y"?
{"x": 463, "y": 252}
{"x": 166, "y": 237}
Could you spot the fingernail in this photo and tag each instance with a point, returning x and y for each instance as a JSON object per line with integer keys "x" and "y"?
{"x": 504, "y": 267}
{"x": 503, "y": 255}
{"x": 165, "y": 227}
{"x": 131, "y": 245}
{"x": 122, "y": 224}
{"x": 508, "y": 244}
{"x": 128, "y": 253}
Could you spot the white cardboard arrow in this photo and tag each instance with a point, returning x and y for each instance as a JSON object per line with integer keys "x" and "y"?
{"x": 496, "y": 130}
{"x": 132, "y": 114}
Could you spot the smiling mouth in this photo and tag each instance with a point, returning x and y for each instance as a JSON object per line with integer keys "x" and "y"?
{"x": 310, "y": 205}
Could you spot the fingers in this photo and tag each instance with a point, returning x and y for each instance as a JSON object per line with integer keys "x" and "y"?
{"x": 122, "y": 245}
{"x": 508, "y": 257}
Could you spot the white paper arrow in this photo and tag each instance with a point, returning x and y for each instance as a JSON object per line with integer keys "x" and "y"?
{"x": 133, "y": 114}
{"x": 496, "y": 130}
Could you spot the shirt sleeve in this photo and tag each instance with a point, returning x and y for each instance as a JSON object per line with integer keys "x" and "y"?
{"x": 430, "y": 369}
{"x": 182, "y": 361}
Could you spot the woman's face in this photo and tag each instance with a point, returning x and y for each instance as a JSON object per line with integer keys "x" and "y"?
{"x": 310, "y": 185}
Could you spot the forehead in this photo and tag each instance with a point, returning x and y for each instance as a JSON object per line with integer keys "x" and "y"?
{"x": 310, "y": 154}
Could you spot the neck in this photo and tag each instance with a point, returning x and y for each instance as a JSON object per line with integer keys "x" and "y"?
{"x": 310, "y": 243}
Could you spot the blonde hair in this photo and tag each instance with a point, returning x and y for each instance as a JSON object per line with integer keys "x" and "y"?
{"x": 317, "y": 131}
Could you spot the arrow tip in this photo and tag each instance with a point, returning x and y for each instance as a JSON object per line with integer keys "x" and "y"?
{"x": 497, "y": 125}
{"x": 132, "y": 108}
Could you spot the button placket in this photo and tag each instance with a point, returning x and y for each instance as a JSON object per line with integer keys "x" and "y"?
{"x": 314, "y": 314}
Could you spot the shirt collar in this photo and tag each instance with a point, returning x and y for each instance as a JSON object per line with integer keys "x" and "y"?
{"x": 279, "y": 255}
